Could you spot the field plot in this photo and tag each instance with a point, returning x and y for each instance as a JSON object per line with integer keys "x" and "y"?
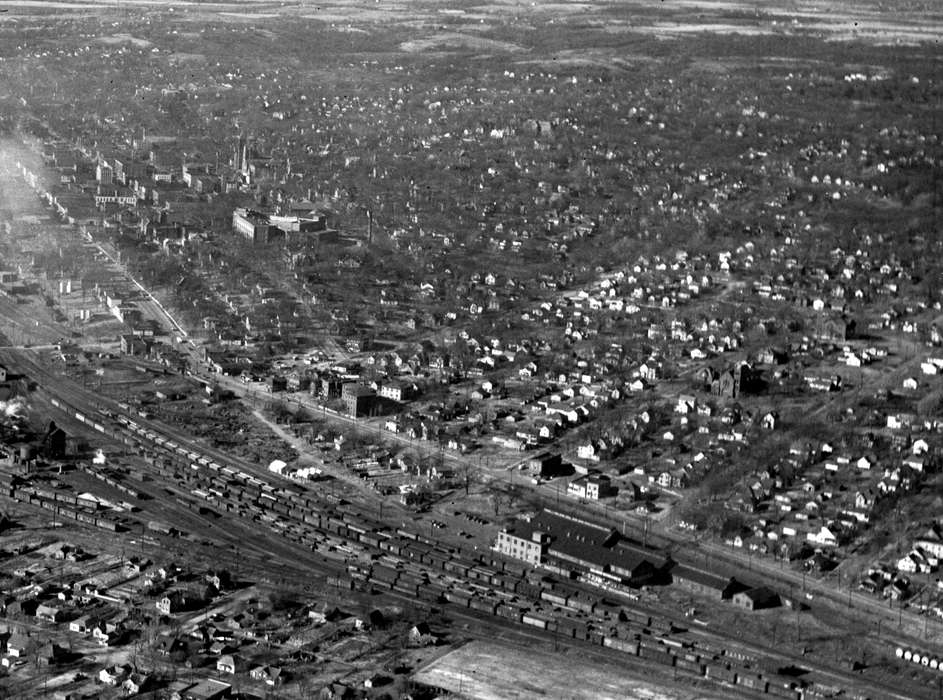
{"x": 484, "y": 671}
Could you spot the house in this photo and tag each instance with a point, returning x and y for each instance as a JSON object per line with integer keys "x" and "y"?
{"x": 836, "y": 330}
{"x": 133, "y": 345}
{"x": 175, "y": 646}
{"x": 49, "y": 654}
{"x": 229, "y": 663}
{"x": 325, "y": 613}
{"x": 219, "y": 579}
{"x": 420, "y": 635}
{"x": 398, "y": 391}
{"x": 672, "y": 479}
{"x": 770, "y": 420}
{"x": 918, "y": 464}
{"x": 49, "y": 613}
{"x": 219, "y": 648}
{"x": 83, "y": 624}
{"x": 824, "y": 537}
{"x": 686, "y": 404}
{"x": 912, "y": 563}
{"x": 271, "y": 675}
{"x": 18, "y": 645}
{"x": 596, "y": 450}
{"x": 727, "y": 385}
{"x": 900, "y": 421}
{"x": 376, "y": 680}
{"x": 577, "y": 488}
{"x": 114, "y": 675}
{"x": 136, "y": 683}
{"x": 175, "y": 602}
{"x": 106, "y": 633}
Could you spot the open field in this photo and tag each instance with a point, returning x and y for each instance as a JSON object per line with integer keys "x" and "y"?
{"x": 868, "y": 22}
{"x": 486, "y": 671}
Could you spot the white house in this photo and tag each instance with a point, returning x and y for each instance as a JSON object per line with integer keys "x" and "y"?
{"x": 824, "y": 537}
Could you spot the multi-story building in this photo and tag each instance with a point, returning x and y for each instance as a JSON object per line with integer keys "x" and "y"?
{"x": 358, "y": 399}
{"x": 253, "y": 225}
{"x": 262, "y": 227}
{"x": 522, "y": 542}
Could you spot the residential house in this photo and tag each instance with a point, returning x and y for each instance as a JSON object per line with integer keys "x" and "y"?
{"x": 398, "y": 391}
{"x": 421, "y": 635}
{"x": 325, "y": 613}
{"x": 596, "y": 450}
{"x": 686, "y": 404}
{"x": 49, "y": 613}
{"x": 913, "y": 562}
{"x": 136, "y": 683}
{"x": 18, "y": 645}
{"x": 727, "y": 385}
{"x": 48, "y": 654}
{"x": 931, "y": 541}
{"x": 176, "y": 602}
{"x": 824, "y": 537}
{"x": 83, "y": 624}
{"x": 114, "y": 675}
{"x": 770, "y": 420}
{"x": 270, "y": 675}
{"x": 229, "y": 663}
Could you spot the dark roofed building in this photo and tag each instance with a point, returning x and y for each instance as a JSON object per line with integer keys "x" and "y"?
{"x": 545, "y": 464}
{"x": 706, "y": 584}
{"x": 757, "y": 599}
{"x": 584, "y": 545}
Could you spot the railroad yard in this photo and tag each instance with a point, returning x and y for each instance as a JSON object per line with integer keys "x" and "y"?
{"x": 200, "y": 505}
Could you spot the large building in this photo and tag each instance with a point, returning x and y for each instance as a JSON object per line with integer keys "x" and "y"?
{"x": 522, "y": 542}
{"x": 252, "y": 224}
{"x": 397, "y": 391}
{"x": 580, "y": 546}
{"x": 261, "y": 227}
{"x": 358, "y": 399}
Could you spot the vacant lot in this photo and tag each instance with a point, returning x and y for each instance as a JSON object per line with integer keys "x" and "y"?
{"x": 493, "y": 671}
